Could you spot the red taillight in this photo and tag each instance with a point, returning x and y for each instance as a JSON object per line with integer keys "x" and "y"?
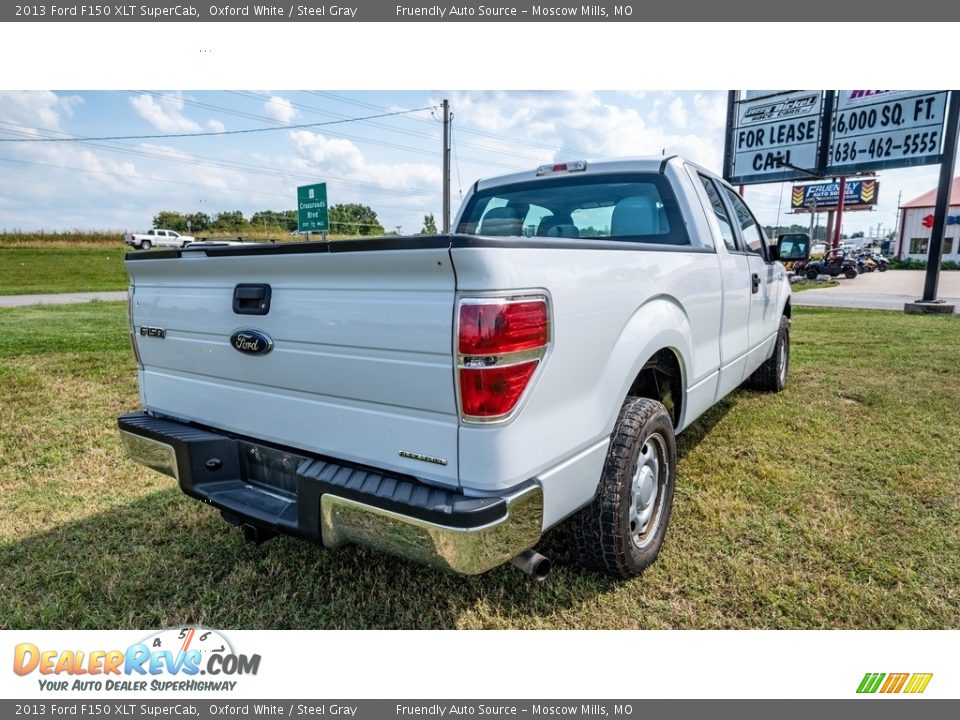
{"x": 500, "y": 343}
{"x": 493, "y": 392}
{"x": 498, "y": 328}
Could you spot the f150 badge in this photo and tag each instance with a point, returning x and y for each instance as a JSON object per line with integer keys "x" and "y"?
{"x": 157, "y": 332}
{"x": 251, "y": 342}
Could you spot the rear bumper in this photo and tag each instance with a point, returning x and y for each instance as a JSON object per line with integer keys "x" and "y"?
{"x": 332, "y": 503}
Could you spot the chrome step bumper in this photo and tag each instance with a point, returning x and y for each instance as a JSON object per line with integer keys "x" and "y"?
{"x": 329, "y": 502}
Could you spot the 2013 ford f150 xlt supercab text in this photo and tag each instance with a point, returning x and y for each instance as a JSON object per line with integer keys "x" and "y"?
{"x": 450, "y": 398}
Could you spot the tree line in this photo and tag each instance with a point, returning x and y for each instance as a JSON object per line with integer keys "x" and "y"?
{"x": 819, "y": 232}
{"x": 345, "y": 219}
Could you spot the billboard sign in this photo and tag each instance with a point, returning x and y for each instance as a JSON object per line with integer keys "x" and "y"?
{"x": 773, "y": 129}
{"x": 859, "y": 195}
{"x": 879, "y": 129}
{"x": 780, "y": 135}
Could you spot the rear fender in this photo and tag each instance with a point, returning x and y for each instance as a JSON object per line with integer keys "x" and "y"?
{"x": 658, "y": 324}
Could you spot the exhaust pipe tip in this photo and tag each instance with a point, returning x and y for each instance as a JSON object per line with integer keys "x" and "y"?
{"x": 533, "y": 564}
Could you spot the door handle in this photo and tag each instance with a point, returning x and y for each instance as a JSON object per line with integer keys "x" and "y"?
{"x": 756, "y": 282}
{"x": 251, "y": 299}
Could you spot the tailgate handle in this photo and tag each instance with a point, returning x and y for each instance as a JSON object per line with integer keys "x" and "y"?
{"x": 251, "y": 299}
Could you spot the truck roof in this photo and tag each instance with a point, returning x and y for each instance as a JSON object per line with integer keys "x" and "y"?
{"x": 650, "y": 163}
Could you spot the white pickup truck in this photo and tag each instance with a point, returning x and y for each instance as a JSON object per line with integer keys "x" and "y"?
{"x": 450, "y": 398}
{"x": 157, "y": 238}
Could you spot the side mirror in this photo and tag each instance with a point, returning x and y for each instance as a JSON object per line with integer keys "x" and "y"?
{"x": 791, "y": 247}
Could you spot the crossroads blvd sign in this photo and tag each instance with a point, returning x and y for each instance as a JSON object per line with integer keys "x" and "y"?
{"x": 312, "y": 211}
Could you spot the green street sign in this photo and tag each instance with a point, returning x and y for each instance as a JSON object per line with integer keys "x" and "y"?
{"x": 312, "y": 213}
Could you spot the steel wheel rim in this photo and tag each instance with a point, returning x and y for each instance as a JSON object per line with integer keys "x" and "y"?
{"x": 647, "y": 490}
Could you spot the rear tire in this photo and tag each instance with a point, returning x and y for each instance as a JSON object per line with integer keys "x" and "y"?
{"x": 145, "y": 244}
{"x": 772, "y": 375}
{"x": 621, "y": 532}
{"x": 812, "y": 274}
{"x": 882, "y": 268}
{"x": 850, "y": 273}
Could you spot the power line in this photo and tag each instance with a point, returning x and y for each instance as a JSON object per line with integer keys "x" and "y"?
{"x": 456, "y": 159}
{"x": 356, "y": 138}
{"x": 238, "y": 166}
{"x": 432, "y": 123}
{"x": 214, "y": 132}
{"x": 471, "y": 131}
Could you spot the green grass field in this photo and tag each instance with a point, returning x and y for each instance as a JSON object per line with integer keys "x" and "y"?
{"x": 32, "y": 263}
{"x": 833, "y": 505}
{"x": 30, "y": 270}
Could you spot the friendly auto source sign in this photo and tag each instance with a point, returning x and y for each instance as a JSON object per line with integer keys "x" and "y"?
{"x": 312, "y": 212}
{"x": 875, "y": 129}
{"x": 775, "y": 129}
{"x": 860, "y": 194}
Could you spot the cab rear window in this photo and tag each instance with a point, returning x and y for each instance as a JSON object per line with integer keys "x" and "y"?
{"x": 639, "y": 207}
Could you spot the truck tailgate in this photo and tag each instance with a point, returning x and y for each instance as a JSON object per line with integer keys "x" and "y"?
{"x": 361, "y": 367}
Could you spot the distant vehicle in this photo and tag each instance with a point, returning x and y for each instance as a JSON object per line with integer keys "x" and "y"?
{"x": 835, "y": 263}
{"x": 157, "y": 238}
{"x": 818, "y": 250}
{"x": 881, "y": 261}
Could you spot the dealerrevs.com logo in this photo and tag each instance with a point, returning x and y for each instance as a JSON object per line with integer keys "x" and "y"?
{"x": 179, "y": 660}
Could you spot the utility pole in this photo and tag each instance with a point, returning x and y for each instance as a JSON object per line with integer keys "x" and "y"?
{"x": 446, "y": 165}
{"x": 896, "y": 222}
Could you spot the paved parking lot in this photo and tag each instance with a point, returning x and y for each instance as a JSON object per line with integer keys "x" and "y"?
{"x": 880, "y": 291}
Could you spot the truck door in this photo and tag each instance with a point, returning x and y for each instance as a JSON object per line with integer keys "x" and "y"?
{"x": 764, "y": 284}
{"x": 735, "y": 272}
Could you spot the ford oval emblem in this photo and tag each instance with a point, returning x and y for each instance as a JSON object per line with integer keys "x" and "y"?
{"x": 251, "y": 342}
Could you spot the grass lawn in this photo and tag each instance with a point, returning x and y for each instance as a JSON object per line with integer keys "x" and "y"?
{"x": 835, "y": 504}
{"x": 29, "y": 270}
{"x": 802, "y": 285}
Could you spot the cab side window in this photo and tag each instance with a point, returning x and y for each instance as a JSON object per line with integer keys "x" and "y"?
{"x": 751, "y": 231}
{"x": 726, "y": 230}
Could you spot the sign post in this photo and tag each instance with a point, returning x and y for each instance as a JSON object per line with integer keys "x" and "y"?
{"x": 841, "y": 197}
{"x": 929, "y": 302}
{"x": 312, "y": 212}
{"x": 813, "y": 220}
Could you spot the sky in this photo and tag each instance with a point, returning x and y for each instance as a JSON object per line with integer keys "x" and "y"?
{"x": 392, "y": 164}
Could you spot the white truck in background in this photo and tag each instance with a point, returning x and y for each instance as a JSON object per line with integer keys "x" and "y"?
{"x": 157, "y": 238}
{"x": 451, "y": 398}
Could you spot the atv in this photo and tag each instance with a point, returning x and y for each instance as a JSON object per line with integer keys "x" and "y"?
{"x": 834, "y": 263}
